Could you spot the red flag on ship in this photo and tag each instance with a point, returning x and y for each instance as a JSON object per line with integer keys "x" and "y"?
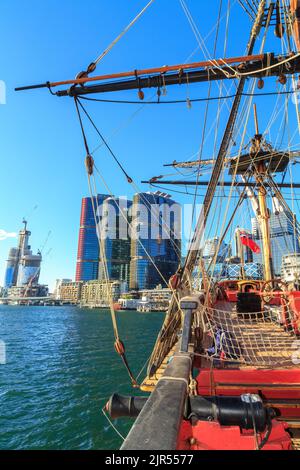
{"x": 247, "y": 241}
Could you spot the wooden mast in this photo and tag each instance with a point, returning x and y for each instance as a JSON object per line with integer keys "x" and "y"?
{"x": 225, "y": 143}
{"x": 295, "y": 13}
{"x": 263, "y": 215}
{"x": 162, "y": 346}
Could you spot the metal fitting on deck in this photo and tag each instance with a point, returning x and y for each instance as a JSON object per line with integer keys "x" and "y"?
{"x": 191, "y": 302}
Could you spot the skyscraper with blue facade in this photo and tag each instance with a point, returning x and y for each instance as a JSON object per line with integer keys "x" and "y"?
{"x": 88, "y": 253}
{"x": 155, "y": 240}
{"x": 115, "y": 236}
{"x": 283, "y": 237}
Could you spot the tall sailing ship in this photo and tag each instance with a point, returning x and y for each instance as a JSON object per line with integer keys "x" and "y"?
{"x": 225, "y": 370}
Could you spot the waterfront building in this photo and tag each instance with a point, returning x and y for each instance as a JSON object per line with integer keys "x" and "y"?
{"x": 114, "y": 230}
{"x": 156, "y": 234}
{"x": 23, "y": 292}
{"x": 88, "y": 253}
{"x": 58, "y": 284}
{"x": 154, "y": 300}
{"x": 23, "y": 267}
{"x": 282, "y": 236}
{"x": 70, "y": 292}
{"x": 99, "y": 293}
{"x": 290, "y": 270}
{"x": 127, "y": 304}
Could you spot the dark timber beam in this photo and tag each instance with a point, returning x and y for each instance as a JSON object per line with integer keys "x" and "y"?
{"x": 225, "y": 183}
{"x": 180, "y": 77}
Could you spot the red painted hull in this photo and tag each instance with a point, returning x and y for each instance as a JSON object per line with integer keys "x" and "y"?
{"x": 212, "y": 436}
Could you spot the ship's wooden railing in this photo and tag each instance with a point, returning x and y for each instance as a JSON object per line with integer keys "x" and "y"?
{"x": 157, "y": 426}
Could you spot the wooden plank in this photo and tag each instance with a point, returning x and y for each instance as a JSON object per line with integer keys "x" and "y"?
{"x": 150, "y": 383}
{"x": 296, "y": 443}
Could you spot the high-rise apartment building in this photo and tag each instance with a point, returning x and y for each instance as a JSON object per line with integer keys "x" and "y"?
{"x": 290, "y": 270}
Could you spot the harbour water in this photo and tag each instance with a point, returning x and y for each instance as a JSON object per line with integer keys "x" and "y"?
{"x": 60, "y": 369}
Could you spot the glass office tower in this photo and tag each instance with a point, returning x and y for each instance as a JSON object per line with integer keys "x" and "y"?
{"x": 114, "y": 229}
{"x": 87, "y": 265}
{"x": 156, "y": 234}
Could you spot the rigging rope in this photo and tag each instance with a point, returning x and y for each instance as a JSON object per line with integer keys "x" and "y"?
{"x": 288, "y": 22}
{"x": 92, "y": 66}
{"x": 119, "y": 346}
{"x": 130, "y": 181}
{"x": 189, "y": 16}
{"x": 105, "y": 143}
{"x": 236, "y": 165}
{"x": 112, "y": 424}
{"x": 192, "y": 100}
{"x": 259, "y": 71}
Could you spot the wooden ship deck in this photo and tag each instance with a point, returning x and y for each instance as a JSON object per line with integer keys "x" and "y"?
{"x": 150, "y": 383}
{"x": 262, "y": 343}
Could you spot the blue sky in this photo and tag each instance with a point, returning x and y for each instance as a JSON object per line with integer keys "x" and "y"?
{"x": 42, "y": 155}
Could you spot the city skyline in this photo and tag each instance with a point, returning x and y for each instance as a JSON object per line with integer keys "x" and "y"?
{"x": 41, "y": 136}
{"x": 280, "y": 226}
